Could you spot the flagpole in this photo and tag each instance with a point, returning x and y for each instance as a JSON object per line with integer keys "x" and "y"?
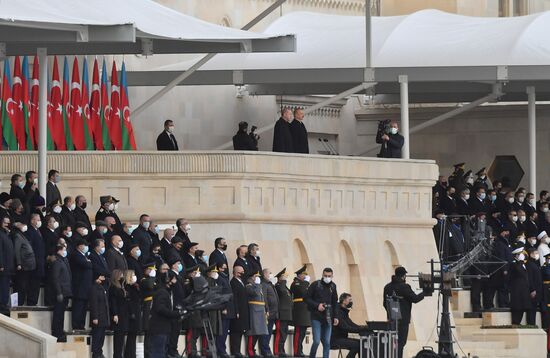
{"x": 43, "y": 121}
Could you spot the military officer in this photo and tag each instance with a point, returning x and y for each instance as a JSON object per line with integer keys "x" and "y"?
{"x": 257, "y": 312}
{"x": 481, "y": 180}
{"x": 285, "y": 313}
{"x": 108, "y": 207}
{"x": 300, "y": 313}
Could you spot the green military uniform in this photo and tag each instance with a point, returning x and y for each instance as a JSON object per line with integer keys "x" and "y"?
{"x": 285, "y": 314}
{"x": 300, "y": 312}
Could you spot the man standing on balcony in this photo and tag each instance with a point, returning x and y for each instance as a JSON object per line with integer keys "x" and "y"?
{"x": 166, "y": 140}
{"x": 391, "y": 141}
{"x": 299, "y": 133}
{"x": 282, "y": 137}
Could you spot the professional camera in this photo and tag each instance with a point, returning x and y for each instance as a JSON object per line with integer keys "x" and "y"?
{"x": 182, "y": 312}
{"x": 328, "y": 312}
{"x": 384, "y": 126}
{"x": 252, "y": 130}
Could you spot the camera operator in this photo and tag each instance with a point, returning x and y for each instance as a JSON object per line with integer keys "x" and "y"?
{"x": 255, "y": 137}
{"x": 345, "y": 325}
{"x": 243, "y": 141}
{"x": 406, "y": 296}
{"x": 322, "y": 300}
{"x": 391, "y": 141}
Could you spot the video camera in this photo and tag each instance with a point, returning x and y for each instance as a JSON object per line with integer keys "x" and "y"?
{"x": 252, "y": 130}
{"x": 384, "y": 126}
{"x": 328, "y": 312}
{"x": 204, "y": 298}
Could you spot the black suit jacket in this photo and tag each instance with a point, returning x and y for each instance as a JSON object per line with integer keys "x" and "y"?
{"x": 99, "y": 266}
{"x": 144, "y": 240}
{"x": 67, "y": 217}
{"x": 392, "y": 147}
{"x": 216, "y": 257}
{"x": 282, "y": 138}
{"x": 115, "y": 260}
{"x": 240, "y": 300}
{"x": 189, "y": 261}
{"x": 299, "y": 137}
{"x": 165, "y": 143}
{"x": 243, "y": 263}
{"x": 82, "y": 271}
{"x": 80, "y": 215}
{"x": 52, "y": 194}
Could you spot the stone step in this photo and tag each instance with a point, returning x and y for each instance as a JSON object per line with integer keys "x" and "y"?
{"x": 468, "y": 322}
{"x": 503, "y": 319}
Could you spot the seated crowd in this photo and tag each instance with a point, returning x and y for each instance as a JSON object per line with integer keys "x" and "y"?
{"x": 134, "y": 282}
{"x": 517, "y": 270}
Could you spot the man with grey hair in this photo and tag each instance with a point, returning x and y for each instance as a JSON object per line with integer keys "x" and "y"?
{"x": 299, "y": 132}
{"x": 282, "y": 137}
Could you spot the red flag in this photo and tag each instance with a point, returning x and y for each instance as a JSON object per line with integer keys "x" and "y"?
{"x": 105, "y": 108}
{"x": 55, "y": 118}
{"x": 115, "y": 128}
{"x": 75, "y": 110}
{"x": 17, "y": 96}
{"x": 65, "y": 98}
{"x": 95, "y": 109}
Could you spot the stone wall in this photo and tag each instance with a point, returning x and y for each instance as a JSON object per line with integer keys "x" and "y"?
{"x": 361, "y": 216}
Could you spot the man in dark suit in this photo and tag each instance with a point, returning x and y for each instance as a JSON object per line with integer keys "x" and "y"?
{"x": 99, "y": 264}
{"x": 217, "y": 257}
{"x": 60, "y": 285}
{"x": 79, "y": 212}
{"x": 462, "y": 206}
{"x": 114, "y": 255}
{"x": 53, "y": 195}
{"x": 39, "y": 248}
{"x": 31, "y": 186}
{"x": 253, "y": 259}
{"x": 166, "y": 140}
{"x": 299, "y": 133}
{"x": 183, "y": 230}
{"x": 99, "y": 315}
{"x": 17, "y": 192}
{"x": 142, "y": 237}
{"x": 241, "y": 140}
{"x": 189, "y": 259}
{"x": 392, "y": 142}
{"x": 241, "y": 258}
{"x": 241, "y": 322}
{"x": 477, "y": 203}
{"x": 282, "y": 137}
{"x": 67, "y": 212}
{"x": 82, "y": 271}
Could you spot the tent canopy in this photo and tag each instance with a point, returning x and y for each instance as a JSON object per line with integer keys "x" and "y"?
{"x": 119, "y": 26}
{"x": 447, "y": 57}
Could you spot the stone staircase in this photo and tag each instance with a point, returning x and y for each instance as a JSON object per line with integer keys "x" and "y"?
{"x": 492, "y": 342}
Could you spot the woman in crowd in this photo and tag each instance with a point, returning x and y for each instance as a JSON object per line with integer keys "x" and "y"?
{"x": 119, "y": 307}
{"x": 134, "y": 313}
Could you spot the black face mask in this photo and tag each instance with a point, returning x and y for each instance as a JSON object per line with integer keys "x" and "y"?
{"x": 349, "y": 305}
{"x": 83, "y": 206}
{"x": 224, "y": 247}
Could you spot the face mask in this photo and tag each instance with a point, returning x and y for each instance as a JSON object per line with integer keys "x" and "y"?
{"x": 111, "y": 207}
{"x": 171, "y": 129}
{"x": 536, "y": 257}
{"x": 224, "y": 247}
{"x": 138, "y": 253}
{"x": 38, "y": 224}
{"x": 257, "y": 280}
{"x": 205, "y": 258}
{"x": 21, "y": 184}
{"x": 120, "y": 244}
{"x": 327, "y": 280}
{"x": 521, "y": 257}
{"x": 258, "y": 253}
{"x": 545, "y": 210}
{"x": 393, "y": 130}
{"x": 84, "y": 205}
{"x": 104, "y": 230}
{"x": 57, "y": 209}
{"x": 493, "y": 198}
{"x": 482, "y": 177}
{"x": 180, "y": 267}
{"x": 522, "y": 218}
{"x": 133, "y": 280}
{"x": 69, "y": 234}
{"x": 533, "y": 242}
{"x": 64, "y": 253}
{"x": 85, "y": 250}
{"x": 153, "y": 273}
{"x": 514, "y": 218}
{"x": 307, "y": 278}
{"x": 521, "y": 239}
{"x": 470, "y": 181}
{"x": 146, "y": 225}
{"x": 271, "y": 276}
{"x": 547, "y": 240}
{"x": 188, "y": 227}
{"x": 467, "y": 196}
{"x": 55, "y": 225}
{"x": 102, "y": 251}
{"x": 349, "y": 305}
{"x": 532, "y": 202}
{"x": 116, "y": 206}
{"x": 57, "y": 178}
{"x": 84, "y": 232}
{"x": 511, "y": 200}
{"x": 24, "y": 228}
{"x": 157, "y": 229}
{"x": 35, "y": 181}
{"x": 274, "y": 280}
{"x": 482, "y": 196}
{"x": 521, "y": 199}
{"x": 215, "y": 276}
{"x": 72, "y": 207}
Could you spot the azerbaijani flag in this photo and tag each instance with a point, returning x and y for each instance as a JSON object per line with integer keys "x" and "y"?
{"x": 26, "y": 101}
{"x": 55, "y": 118}
{"x": 66, "y": 106}
{"x": 8, "y": 110}
{"x": 85, "y": 100}
{"x": 17, "y": 96}
{"x": 128, "y": 140}
{"x": 105, "y": 109}
{"x": 115, "y": 116}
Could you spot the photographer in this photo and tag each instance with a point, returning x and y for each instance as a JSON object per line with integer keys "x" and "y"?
{"x": 391, "y": 141}
{"x": 322, "y": 301}
{"x": 243, "y": 141}
{"x": 255, "y": 137}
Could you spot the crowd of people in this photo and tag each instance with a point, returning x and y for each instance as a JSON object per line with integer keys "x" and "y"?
{"x": 135, "y": 282}
{"x": 469, "y": 210}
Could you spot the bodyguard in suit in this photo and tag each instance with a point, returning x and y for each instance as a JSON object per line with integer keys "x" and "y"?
{"x": 299, "y": 133}
{"x": 217, "y": 257}
{"x": 60, "y": 282}
{"x": 99, "y": 315}
{"x": 282, "y": 137}
{"x": 79, "y": 212}
{"x": 448, "y": 202}
{"x": 241, "y": 322}
{"x": 166, "y": 140}
{"x": 142, "y": 237}
{"x": 82, "y": 275}
{"x": 52, "y": 191}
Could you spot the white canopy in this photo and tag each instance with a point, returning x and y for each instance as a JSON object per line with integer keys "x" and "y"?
{"x": 430, "y": 46}
{"x": 26, "y": 24}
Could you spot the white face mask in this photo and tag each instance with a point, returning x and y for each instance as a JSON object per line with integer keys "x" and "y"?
{"x": 38, "y": 224}
{"x": 273, "y": 280}
{"x": 153, "y": 273}
{"x": 470, "y": 181}
{"x": 146, "y": 225}
{"x": 257, "y": 253}
{"x": 57, "y": 209}
{"x": 514, "y": 218}
{"x": 120, "y": 244}
{"x": 536, "y": 257}
{"x": 171, "y": 129}
{"x": 188, "y": 227}
{"x": 511, "y": 200}
{"x": 69, "y": 234}
{"x": 35, "y": 181}
{"x": 84, "y": 232}
{"x": 521, "y": 199}
{"x": 393, "y": 130}
{"x": 111, "y": 207}
{"x": 521, "y": 239}
{"x": 521, "y": 257}
{"x": 307, "y": 278}
{"x": 24, "y": 228}
{"x": 271, "y": 276}
{"x": 533, "y": 242}
{"x": 522, "y": 218}
{"x": 532, "y": 202}
{"x": 327, "y": 279}
{"x": 133, "y": 280}
{"x": 55, "y": 225}
{"x": 466, "y": 196}
{"x": 545, "y": 209}
{"x": 21, "y": 184}
{"x": 73, "y": 206}
{"x": 215, "y": 275}
{"x": 198, "y": 274}
{"x": 257, "y": 280}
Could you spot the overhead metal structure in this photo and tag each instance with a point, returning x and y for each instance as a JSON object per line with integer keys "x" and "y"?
{"x": 81, "y": 27}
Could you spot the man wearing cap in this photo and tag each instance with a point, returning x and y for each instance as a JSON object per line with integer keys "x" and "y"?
{"x": 53, "y": 195}
{"x": 172, "y": 252}
{"x": 241, "y": 322}
{"x": 272, "y": 308}
{"x": 142, "y": 237}
{"x": 5, "y": 200}
{"x": 543, "y": 247}
{"x": 178, "y": 294}
{"x": 60, "y": 284}
{"x": 100, "y": 231}
{"x": 406, "y": 296}
{"x": 213, "y": 278}
{"x": 482, "y": 180}
{"x": 134, "y": 253}
{"x": 82, "y": 272}
{"x": 301, "y": 318}
{"x": 456, "y": 179}
{"x": 193, "y": 324}
{"x": 99, "y": 315}
{"x": 520, "y": 293}
{"x": 535, "y": 285}
{"x": 108, "y": 207}
{"x": 285, "y": 314}
{"x": 241, "y": 140}
{"x": 258, "y": 311}
{"x": 114, "y": 255}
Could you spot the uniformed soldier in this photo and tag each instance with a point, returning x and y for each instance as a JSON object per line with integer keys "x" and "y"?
{"x": 535, "y": 286}
{"x": 213, "y": 278}
{"x": 193, "y": 324}
{"x": 481, "y": 180}
{"x": 147, "y": 288}
{"x": 301, "y": 317}
{"x": 285, "y": 314}
{"x": 520, "y": 299}
{"x": 108, "y": 207}
{"x": 469, "y": 179}
{"x": 257, "y": 312}
{"x": 456, "y": 179}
